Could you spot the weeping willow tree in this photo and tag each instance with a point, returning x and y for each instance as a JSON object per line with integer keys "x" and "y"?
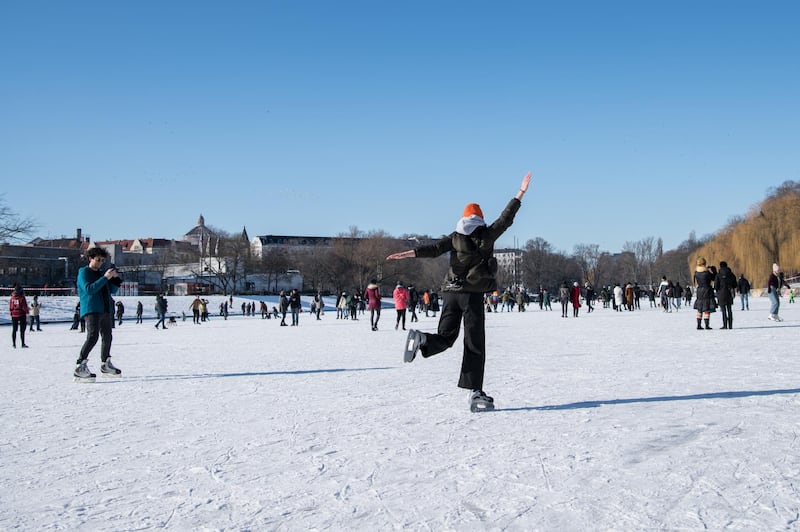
{"x": 769, "y": 233}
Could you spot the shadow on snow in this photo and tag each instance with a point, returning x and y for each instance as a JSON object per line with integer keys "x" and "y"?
{"x": 666, "y": 398}
{"x": 223, "y": 375}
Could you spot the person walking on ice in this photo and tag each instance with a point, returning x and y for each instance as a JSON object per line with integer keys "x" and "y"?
{"x": 471, "y": 274}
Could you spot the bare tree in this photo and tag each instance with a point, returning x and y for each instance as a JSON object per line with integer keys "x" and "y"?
{"x": 534, "y": 261}
{"x": 226, "y": 263}
{"x": 646, "y": 251}
{"x": 586, "y": 256}
{"x": 12, "y": 226}
{"x": 274, "y": 263}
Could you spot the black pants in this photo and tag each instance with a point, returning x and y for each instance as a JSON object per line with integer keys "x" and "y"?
{"x": 35, "y": 320}
{"x": 470, "y": 308}
{"x": 727, "y": 314}
{"x": 18, "y": 323}
{"x": 97, "y": 325}
{"x": 401, "y": 318}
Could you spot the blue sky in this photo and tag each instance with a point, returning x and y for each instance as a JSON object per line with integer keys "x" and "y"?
{"x": 637, "y": 119}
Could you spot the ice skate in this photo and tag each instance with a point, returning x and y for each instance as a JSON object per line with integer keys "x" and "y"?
{"x": 414, "y": 341}
{"x": 82, "y": 373}
{"x": 109, "y": 369}
{"x": 480, "y": 402}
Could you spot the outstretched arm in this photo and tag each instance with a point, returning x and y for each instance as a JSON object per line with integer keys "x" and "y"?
{"x": 410, "y": 254}
{"x": 523, "y": 188}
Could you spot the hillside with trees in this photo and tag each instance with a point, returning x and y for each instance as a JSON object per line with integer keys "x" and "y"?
{"x": 769, "y": 233}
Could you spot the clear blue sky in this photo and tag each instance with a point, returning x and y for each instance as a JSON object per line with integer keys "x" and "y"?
{"x": 638, "y": 119}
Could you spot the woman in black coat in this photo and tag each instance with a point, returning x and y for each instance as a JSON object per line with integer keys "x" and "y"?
{"x": 725, "y": 284}
{"x": 704, "y": 303}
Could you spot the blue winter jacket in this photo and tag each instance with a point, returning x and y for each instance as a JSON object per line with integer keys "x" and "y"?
{"x": 95, "y": 291}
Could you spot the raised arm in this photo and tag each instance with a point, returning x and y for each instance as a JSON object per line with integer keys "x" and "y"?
{"x": 523, "y": 188}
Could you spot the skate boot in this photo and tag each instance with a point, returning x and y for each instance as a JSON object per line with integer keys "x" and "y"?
{"x": 480, "y": 402}
{"x": 107, "y": 368}
{"x": 82, "y": 373}
{"x": 414, "y": 341}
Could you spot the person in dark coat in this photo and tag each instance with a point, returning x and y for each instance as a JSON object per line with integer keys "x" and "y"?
{"x": 161, "y": 311}
{"x": 589, "y": 297}
{"x": 704, "y": 302}
{"x": 413, "y": 301}
{"x": 743, "y": 286}
{"x": 283, "y": 305}
{"x": 471, "y": 275}
{"x": 563, "y": 298}
{"x": 294, "y": 306}
{"x": 120, "y": 311}
{"x": 725, "y": 285}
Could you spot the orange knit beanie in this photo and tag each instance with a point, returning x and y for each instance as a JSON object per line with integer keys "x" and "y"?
{"x": 472, "y": 209}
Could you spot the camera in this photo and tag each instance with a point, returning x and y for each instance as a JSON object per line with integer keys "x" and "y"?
{"x": 115, "y": 280}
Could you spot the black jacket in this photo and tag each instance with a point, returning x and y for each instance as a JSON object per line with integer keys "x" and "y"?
{"x": 469, "y": 254}
{"x": 743, "y": 286}
{"x": 725, "y": 284}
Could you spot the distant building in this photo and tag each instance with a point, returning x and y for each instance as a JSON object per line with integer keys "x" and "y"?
{"x": 202, "y": 238}
{"x": 508, "y": 259}
{"x": 43, "y": 262}
{"x": 260, "y": 245}
{"x": 78, "y": 243}
{"x": 38, "y": 266}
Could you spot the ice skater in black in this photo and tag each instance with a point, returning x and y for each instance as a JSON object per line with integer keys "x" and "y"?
{"x": 470, "y": 276}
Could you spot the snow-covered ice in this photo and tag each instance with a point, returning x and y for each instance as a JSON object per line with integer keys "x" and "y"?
{"x": 614, "y": 420}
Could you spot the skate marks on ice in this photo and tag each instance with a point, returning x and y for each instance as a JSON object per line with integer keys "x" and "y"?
{"x": 656, "y": 399}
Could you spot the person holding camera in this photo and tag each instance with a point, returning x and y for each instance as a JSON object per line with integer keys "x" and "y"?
{"x": 95, "y": 288}
{"x": 471, "y": 274}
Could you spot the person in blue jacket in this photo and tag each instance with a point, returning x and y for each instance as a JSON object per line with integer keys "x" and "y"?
{"x": 96, "y": 285}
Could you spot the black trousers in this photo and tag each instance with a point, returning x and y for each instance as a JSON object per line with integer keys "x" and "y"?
{"x": 469, "y": 307}
{"x": 18, "y": 324}
{"x": 727, "y": 313}
{"x": 97, "y": 325}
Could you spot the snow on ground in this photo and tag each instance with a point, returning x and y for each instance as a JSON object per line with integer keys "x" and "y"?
{"x": 625, "y": 421}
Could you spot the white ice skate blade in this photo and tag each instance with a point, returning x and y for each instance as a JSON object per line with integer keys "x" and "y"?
{"x": 84, "y": 380}
{"x": 481, "y": 408}
{"x": 111, "y": 375}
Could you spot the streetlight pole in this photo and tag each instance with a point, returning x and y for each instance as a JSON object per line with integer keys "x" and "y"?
{"x": 66, "y": 267}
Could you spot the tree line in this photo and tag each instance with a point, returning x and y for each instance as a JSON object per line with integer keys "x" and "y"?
{"x": 750, "y": 244}
{"x": 769, "y": 233}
